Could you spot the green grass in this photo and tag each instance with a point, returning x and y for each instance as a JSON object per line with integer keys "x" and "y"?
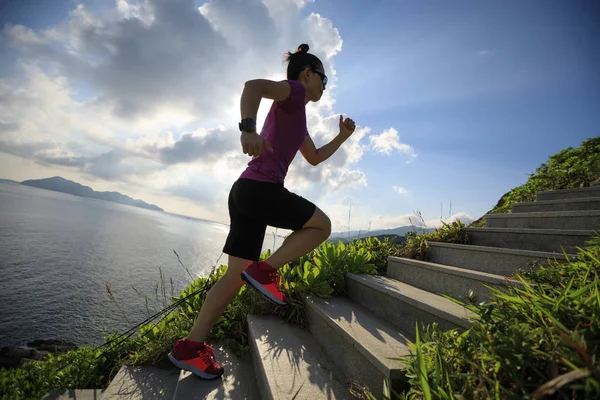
{"x": 533, "y": 342}
{"x": 568, "y": 169}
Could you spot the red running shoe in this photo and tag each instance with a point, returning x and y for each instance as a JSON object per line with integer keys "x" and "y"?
{"x": 264, "y": 278}
{"x": 199, "y": 360}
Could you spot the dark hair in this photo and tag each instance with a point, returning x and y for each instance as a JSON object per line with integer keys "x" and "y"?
{"x": 300, "y": 60}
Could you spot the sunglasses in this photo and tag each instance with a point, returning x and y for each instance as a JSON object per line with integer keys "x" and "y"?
{"x": 323, "y": 77}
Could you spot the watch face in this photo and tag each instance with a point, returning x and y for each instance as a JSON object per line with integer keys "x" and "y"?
{"x": 248, "y": 125}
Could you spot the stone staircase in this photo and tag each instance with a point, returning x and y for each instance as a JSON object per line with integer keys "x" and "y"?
{"x": 358, "y": 336}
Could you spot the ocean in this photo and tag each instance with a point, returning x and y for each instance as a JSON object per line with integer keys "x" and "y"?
{"x": 58, "y": 253}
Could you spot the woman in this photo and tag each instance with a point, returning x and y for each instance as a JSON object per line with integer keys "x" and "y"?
{"x": 258, "y": 198}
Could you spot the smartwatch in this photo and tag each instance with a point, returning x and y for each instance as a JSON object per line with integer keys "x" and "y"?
{"x": 248, "y": 125}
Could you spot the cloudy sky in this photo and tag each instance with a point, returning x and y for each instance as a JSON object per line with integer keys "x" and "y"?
{"x": 456, "y": 102}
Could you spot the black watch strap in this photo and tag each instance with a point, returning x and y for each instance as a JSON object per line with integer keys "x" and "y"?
{"x": 248, "y": 125}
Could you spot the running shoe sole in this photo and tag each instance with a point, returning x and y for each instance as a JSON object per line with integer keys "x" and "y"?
{"x": 261, "y": 289}
{"x": 191, "y": 368}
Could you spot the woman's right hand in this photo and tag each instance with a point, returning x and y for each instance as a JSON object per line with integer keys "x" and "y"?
{"x": 252, "y": 143}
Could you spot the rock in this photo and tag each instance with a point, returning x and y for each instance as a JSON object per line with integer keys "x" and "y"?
{"x": 14, "y": 352}
{"x": 39, "y": 355}
{"x": 58, "y": 342}
{"x": 14, "y": 357}
{"x": 56, "y": 349}
{"x": 9, "y": 362}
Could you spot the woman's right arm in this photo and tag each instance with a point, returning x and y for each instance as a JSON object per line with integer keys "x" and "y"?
{"x": 254, "y": 91}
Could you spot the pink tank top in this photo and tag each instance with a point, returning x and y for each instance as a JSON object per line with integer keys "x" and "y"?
{"x": 285, "y": 128}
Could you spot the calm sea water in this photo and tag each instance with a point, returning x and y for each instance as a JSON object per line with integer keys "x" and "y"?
{"x": 58, "y": 252}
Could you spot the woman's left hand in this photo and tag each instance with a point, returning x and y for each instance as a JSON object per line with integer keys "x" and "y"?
{"x": 347, "y": 127}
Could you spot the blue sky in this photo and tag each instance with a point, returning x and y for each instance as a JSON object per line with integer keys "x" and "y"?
{"x": 481, "y": 92}
{"x": 479, "y": 123}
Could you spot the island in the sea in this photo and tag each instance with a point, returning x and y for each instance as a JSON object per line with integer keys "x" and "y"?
{"x": 59, "y": 184}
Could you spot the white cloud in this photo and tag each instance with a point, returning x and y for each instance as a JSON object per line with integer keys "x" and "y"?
{"x": 145, "y": 95}
{"x": 389, "y": 222}
{"x": 388, "y": 141}
{"x": 400, "y": 190}
{"x": 417, "y": 220}
{"x": 339, "y": 171}
{"x": 462, "y": 216}
{"x": 484, "y": 53}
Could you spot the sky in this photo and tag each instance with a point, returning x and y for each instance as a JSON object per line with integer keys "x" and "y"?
{"x": 455, "y": 102}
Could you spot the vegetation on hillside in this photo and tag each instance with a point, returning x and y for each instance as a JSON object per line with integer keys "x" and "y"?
{"x": 570, "y": 168}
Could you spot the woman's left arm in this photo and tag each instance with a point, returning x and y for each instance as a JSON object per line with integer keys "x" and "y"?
{"x": 316, "y": 156}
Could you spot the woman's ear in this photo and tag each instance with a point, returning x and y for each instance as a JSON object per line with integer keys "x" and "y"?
{"x": 306, "y": 73}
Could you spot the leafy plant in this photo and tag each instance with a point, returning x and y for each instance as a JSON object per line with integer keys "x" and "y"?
{"x": 417, "y": 244}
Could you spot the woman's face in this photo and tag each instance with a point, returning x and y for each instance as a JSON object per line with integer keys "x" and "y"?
{"x": 316, "y": 83}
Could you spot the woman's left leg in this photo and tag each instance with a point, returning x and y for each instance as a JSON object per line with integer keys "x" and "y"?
{"x": 314, "y": 232}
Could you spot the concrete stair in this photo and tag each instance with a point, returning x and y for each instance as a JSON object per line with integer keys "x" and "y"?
{"x": 130, "y": 383}
{"x": 590, "y": 203}
{"x": 362, "y": 345}
{"x": 142, "y": 383}
{"x": 403, "y": 304}
{"x": 447, "y": 280}
{"x": 360, "y": 336}
{"x": 568, "y": 194}
{"x": 237, "y": 383}
{"x": 78, "y": 394}
{"x": 290, "y": 363}
{"x": 491, "y": 260}
{"x": 570, "y": 220}
{"x": 548, "y": 240}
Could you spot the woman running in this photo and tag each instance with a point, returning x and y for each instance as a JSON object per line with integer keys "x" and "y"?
{"x": 258, "y": 198}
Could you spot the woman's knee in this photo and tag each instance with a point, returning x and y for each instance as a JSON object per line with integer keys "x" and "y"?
{"x": 320, "y": 221}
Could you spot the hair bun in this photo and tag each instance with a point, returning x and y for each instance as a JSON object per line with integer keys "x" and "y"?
{"x": 303, "y": 48}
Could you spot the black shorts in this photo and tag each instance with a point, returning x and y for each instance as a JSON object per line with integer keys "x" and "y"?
{"x": 252, "y": 206}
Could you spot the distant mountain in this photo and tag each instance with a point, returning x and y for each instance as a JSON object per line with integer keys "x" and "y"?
{"x": 8, "y": 181}
{"x": 400, "y": 232}
{"x": 393, "y": 238}
{"x": 63, "y": 185}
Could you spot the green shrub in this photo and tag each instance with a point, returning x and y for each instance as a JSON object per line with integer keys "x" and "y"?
{"x": 526, "y": 343}
{"x": 417, "y": 245}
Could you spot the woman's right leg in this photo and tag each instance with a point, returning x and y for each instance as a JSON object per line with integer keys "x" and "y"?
{"x": 314, "y": 232}
{"x": 218, "y": 298}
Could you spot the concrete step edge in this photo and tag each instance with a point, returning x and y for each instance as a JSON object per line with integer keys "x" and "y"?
{"x": 260, "y": 373}
{"x": 423, "y": 299}
{"x": 546, "y": 214}
{"x": 567, "y": 191}
{"x": 502, "y": 250}
{"x": 560, "y": 201}
{"x": 75, "y": 394}
{"x": 383, "y": 326}
{"x": 136, "y": 381}
{"x": 463, "y": 272}
{"x": 560, "y": 232}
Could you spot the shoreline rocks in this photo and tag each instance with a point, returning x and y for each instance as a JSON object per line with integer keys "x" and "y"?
{"x": 15, "y": 357}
